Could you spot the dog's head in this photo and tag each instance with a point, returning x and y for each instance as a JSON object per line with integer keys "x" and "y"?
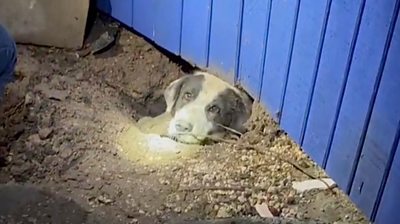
{"x": 202, "y": 105}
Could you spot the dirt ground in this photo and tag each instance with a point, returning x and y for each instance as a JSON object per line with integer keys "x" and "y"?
{"x": 59, "y": 162}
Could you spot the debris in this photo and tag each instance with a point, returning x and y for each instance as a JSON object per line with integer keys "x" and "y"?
{"x": 263, "y": 210}
{"x": 306, "y": 185}
{"x": 45, "y": 133}
{"x": 223, "y": 213}
{"x": 50, "y": 93}
{"x": 104, "y": 200}
{"x": 35, "y": 139}
{"x": 104, "y": 41}
{"x": 56, "y": 94}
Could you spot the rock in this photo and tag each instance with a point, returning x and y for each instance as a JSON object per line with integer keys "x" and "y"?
{"x": 290, "y": 200}
{"x": 53, "y": 94}
{"x": 65, "y": 153}
{"x": 134, "y": 221}
{"x": 263, "y": 210}
{"x": 312, "y": 184}
{"x": 177, "y": 210}
{"x": 242, "y": 199}
{"x": 34, "y": 139}
{"x": 104, "y": 200}
{"x": 45, "y": 133}
{"x": 223, "y": 212}
{"x": 29, "y": 98}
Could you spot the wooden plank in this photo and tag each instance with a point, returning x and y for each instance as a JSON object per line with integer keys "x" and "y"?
{"x": 122, "y": 10}
{"x": 388, "y": 211}
{"x": 168, "y": 23}
{"x": 143, "y": 17}
{"x": 282, "y": 27}
{"x": 309, "y": 34}
{"x": 359, "y": 88}
{"x": 225, "y": 37}
{"x": 196, "y": 31}
{"x": 253, "y": 46}
{"x": 382, "y": 128}
{"x": 337, "y": 49}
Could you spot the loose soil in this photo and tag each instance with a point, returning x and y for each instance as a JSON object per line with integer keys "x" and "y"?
{"x": 59, "y": 162}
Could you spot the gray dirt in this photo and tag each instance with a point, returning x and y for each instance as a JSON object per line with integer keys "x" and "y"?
{"x": 59, "y": 162}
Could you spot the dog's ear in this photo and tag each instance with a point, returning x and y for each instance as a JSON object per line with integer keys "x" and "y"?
{"x": 248, "y": 100}
{"x": 245, "y": 105}
{"x": 172, "y": 92}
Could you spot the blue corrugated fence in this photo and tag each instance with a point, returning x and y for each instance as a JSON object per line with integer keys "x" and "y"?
{"x": 328, "y": 71}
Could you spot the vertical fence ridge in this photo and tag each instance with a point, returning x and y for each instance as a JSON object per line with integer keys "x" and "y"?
{"x": 374, "y": 93}
{"x": 289, "y": 62}
{"x": 209, "y": 33}
{"x": 265, "y": 51}
{"x": 238, "y": 43}
{"x": 344, "y": 84}
{"x": 315, "y": 72}
{"x": 181, "y": 29}
{"x": 386, "y": 173}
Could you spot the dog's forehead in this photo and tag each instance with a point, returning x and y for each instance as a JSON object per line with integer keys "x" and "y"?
{"x": 211, "y": 87}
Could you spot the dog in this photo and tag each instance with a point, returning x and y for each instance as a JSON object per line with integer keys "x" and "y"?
{"x": 202, "y": 105}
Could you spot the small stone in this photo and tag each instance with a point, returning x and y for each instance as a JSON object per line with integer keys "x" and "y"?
{"x": 104, "y": 200}
{"x": 304, "y": 164}
{"x": 312, "y": 184}
{"x": 274, "y": 211}
{"x": 290, "y": 199}
{"x": 45, "y": 133}
{"x": 34, "y": 139}
{"x": 223, "y": 212}
{"x": 65, "y": 153}
{"x": 177, "y": 210}
{"x": 263, "y": 210}
{"x": 242, "y": 199}
{"x": 134, "y": 221}
{"x": 29, "y": 98}
{"x": 79, "y": 76}
{"x": 273, "y": 190}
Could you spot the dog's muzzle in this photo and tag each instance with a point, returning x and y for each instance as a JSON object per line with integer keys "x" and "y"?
{"x": 190, "y": 125}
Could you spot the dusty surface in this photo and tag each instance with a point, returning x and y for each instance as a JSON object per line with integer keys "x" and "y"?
{"x": 58, "y": 129}
{"x": 145, "y": 142}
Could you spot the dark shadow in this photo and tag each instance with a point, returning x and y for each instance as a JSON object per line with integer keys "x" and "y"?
{"x": 27, "y": 204}
{"x": 185, "y": 65}
{"x": 92, "y": 14}
{"x": 152, "y": 103}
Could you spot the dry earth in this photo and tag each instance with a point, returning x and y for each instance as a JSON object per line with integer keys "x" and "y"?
{"x": 59, "y": 162}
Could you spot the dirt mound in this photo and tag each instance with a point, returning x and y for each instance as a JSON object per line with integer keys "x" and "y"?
{"x": 60, "y": 120}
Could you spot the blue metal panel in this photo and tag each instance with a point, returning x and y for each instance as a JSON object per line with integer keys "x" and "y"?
{"x": 279, "y": 47}
{"x": 119, "y": 9}
{"x": 388, "y": 212}
{"x": 143, "y": 17}
{"x": 225, "y": 37}
{"x": 308, "y": 39}
{"x": 335, "y": 59}
{"x": 196, "y": 31}
{"x": 359, "y": 89}
{"x": 383, "y": 126}
{"x": 253, "y": 46}
{"x": 168, "y": 21}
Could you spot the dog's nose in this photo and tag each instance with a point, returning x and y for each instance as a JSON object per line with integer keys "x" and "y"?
{"x": 183, "y": 126}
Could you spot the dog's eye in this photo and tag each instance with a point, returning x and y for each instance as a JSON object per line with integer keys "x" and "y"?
{"x": 187, "y": 96}
{"x": 214, "y": 109}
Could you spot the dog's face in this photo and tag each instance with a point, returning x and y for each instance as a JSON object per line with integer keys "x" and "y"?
{"x": 202, "y": 105}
